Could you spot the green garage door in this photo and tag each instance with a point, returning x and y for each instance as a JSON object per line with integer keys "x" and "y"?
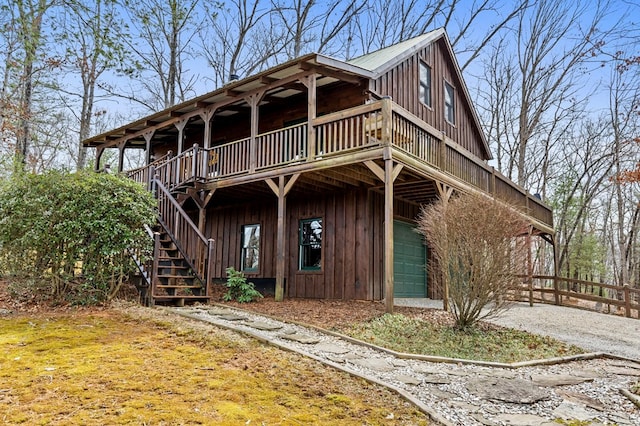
{"x": 409, "y": 260}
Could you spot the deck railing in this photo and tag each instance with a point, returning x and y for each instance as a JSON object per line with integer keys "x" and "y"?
{"x": 372, "y": 125}
{"x": 280, "y": 147}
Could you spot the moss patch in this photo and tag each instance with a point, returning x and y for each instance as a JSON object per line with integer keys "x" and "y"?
{"x": 113, "y": 368}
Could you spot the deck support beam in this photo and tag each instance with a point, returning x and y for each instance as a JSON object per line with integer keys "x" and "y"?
{"x": 281, "y": 189}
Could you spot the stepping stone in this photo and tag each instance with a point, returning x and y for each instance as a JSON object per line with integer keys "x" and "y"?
{"x": 570, "y": 411}
{"x": 460, "y": 405}
{"x": 374, "y": 364}
{"x": 523, "y": 420}
{"x": 350, "y": 356}
{"x": 582, "y": 399}
{"x": 232, "y": 317}
{"x": 331, "y": 348}
{"x": 497, "y": 372}
{"x": 591, "y": 374}
{"x": 408, "y": 380}
{"x": 440, "y": 394}
{"x": 621, "y": 419}
{"x": 260, "y": 325}
{"x": 516, "y": 391}
{"x": 426, "y": 369}
{"x": 300, "y": 338}
{"x": 557, "y": 379}
{"x": 623, "y": 371}
{"x": 336, "y": 359}
{"x": 482, "y": 420}
{"x": 217, "y": 311}
{"x": 399, "y": 362}
{"x": 436, "y": 379}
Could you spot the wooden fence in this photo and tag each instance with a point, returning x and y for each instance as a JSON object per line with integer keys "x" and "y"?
{"x": 624, "y": 299}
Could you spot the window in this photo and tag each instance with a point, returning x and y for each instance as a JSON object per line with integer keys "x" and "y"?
{"x": 310, "y": 244}
{"x": 250, "y": 248}
{"x": 449, "y": 103}
{"x": 425, "y": 84}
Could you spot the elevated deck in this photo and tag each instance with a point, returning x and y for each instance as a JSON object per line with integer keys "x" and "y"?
{"x": 348, "y": 146}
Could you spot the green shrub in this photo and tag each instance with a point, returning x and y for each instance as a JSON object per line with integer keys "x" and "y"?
{"x": 239, "y": 289}
{"x": 64, "y": 236}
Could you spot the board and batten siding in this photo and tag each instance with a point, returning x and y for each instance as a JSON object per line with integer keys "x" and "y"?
{"x": 403, "y": 81}
{"x": 352, "y": 246}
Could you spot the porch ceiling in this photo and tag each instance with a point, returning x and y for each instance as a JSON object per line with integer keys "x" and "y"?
{"x": 279, "y": 83}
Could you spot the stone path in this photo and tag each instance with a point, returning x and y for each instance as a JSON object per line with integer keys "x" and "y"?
{"x": 459, "y": 393}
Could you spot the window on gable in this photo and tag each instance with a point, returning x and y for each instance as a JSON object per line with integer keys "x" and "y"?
{"x": 250, "y": 248}
{"x": 425, "y": 84}
{"x": 449, "y": 103}
{"x": 310, "y": 244}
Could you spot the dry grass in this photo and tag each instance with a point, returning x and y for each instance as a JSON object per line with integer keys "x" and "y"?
{"x": 143, "y": 367}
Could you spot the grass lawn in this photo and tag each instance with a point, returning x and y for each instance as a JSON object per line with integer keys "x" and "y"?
{"x": 142, "y": 367}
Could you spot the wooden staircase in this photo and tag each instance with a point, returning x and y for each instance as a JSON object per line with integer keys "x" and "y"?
{"x": 175, "y": 282}
{"x": 177, "y": 271}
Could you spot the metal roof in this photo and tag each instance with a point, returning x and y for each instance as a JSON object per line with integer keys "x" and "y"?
{"x": 377, "y": 61}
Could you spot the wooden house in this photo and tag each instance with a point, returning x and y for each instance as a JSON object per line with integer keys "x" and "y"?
{"x": 310, "y": 174}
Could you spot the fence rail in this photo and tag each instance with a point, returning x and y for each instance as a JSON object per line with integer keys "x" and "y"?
{"x": 585, "y": 294}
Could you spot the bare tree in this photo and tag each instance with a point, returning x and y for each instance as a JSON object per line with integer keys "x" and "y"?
{"x": 241, "y": 39}
{"x": 93, "y": 45}
{"x": 166, "y": 32}
{"x": 314, "y": 26}
{"x": 473, "y": 240}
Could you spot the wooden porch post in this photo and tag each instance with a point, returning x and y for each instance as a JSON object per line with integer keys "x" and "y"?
{"x": 254, "y": 102}
{"x": 445, "y": 192}
{"x": 206, "y": 116}
{"x": 281, "y": 190}
{"x": 556, "y": 270}
{"x": 99, "y": 152}
{"x": 147, "y": 138}
{"x": 388, "y": 176}
{"x": 121, "y": 148}
{"x": 310, "y": 82}
{"x": 180, "y": 125}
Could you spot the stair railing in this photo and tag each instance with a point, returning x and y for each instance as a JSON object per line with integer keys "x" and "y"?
{"x": 194, "y": 246}
{"x": 147, "y": 264}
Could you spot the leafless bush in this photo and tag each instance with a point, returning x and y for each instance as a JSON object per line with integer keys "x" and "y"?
{"x": 473, "y": 238}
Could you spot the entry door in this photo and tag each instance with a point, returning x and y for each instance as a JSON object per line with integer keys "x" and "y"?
{"x": 409, "y": 261}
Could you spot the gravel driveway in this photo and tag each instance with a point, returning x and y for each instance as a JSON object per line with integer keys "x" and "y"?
{"x": 593, "y": 331}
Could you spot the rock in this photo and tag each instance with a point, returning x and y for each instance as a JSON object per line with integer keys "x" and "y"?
{"x": 331, "y": 348}
{"x": 426, "y": 369}
{"x": 570, "y": 411}
{"x": 461, "y": 405}
{"x": 217, "y": 311}
{"x": 440, "y": 394}
{"x": 482, "y": 420}
{"x": 557, "y": 379}
{"x": 516, "y": 391}
{"x": 300, "y": 338}
{"x": 407, "y": 380}
{"x": 436, "y": 379}
{"x": 496, "y": 372}
{"x": 232, "y": 317}
{"x": 621, "y": 419}
{"x": 399, "y": 362}
{"x": 336, "y": 359}
{"x": 260, "y": 325}
{"x": 582, "y": 399}
{"x": 623, "y": 371}
{"x": 374, "y": 364}
{"x": 522, "y": 420}
{"x": 5, "y": 312}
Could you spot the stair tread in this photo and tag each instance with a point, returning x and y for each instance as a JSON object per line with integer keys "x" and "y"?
{"x": 169, "y": 297}
{"x": 175, "y": 276}
{"x": 177, "y": 286}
